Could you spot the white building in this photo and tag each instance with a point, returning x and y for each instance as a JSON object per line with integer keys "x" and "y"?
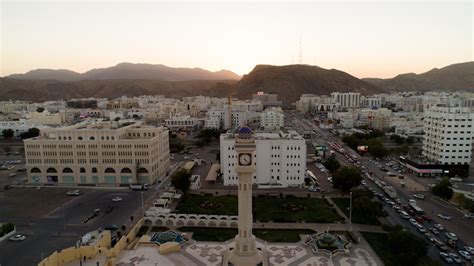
{"x": 267, "y": 99}
{"x": 98, "y": 153}
{"x": 212, "y": 122}
{"x": 347, "y": 99}
{"x": 374, "y": 118}
{"x": 448, "y": 135}
{"x": 18, "y": 127}
{"x": 371, "y": 102}
{"x": 272, "y": 118}
{"x": 183, "y": 122}
{"x": 280, "y": 159}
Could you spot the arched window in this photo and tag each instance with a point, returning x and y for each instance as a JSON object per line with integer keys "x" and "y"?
{"x": 109, "y": 170}
{"x": 142, "y": 170}
{"x": 79, "y": 138}
{"x": 35, "y": 170}
{"x": 126, "y": 170}
{"x": 82, "y": 170}
{"x": 51, "y": 170}
{"x": 94, "y": 170}
{"x": 67, "y": 170}
{"x": 91, "y": 138}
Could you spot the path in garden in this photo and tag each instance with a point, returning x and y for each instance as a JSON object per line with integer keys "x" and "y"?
{"x": 318, "y": 227}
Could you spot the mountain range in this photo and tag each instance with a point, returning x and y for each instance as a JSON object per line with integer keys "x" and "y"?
{"x": 289, "y": 82}
{"x": 129, "y": 71}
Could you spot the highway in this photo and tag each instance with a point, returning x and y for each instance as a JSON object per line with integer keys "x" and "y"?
{"x": 462, "y": 227}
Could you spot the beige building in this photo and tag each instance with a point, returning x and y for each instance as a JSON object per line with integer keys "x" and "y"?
{"x": 98, "y": 153}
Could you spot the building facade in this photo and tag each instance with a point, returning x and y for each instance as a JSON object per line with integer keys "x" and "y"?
{"x": 280, "y": 159}
{"x": 98, "y": 153}
{"x": 272, "y": 119}
{"x": 347, "y": 99}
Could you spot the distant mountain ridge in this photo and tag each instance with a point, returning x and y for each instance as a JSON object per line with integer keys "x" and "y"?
{"x": 455, "y": 77}
{"x": 129, "y": 71}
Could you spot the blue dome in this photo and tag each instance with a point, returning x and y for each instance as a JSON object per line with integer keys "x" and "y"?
{"x": 245, "y": 130}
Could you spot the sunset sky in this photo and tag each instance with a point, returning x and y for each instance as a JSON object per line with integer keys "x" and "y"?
{"x": 363, "y": 39}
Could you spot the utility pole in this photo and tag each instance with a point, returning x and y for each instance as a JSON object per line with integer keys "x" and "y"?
{"x": 143, "y": 207}
{"x": 350, "y": 212}
{"x": 64, "y": 218}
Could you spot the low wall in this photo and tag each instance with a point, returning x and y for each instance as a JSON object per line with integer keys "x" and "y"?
{"x": 123, "y": 243}
{"x": 76, "y": 253}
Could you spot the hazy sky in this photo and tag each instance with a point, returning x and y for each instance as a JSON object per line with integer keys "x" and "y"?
{"x": 361, "y": 38}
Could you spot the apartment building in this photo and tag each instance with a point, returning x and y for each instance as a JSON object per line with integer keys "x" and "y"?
{"x": 347, "y": 99}
{"x": 272, "y": 119}
{"x": 98, "y": 153}
{"x": 280, "y": 159}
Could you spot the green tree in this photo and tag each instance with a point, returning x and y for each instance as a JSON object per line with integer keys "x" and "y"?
{"x": 352, "y": 141}
{"x": 181, "y": 180}
{"x": 346, "y": 178}
{"x": 8, "y": 133}
{"x": 332, "y": 164}
{"x": 376, "y": 148}
{"x": 397, "y": 139}
{"x": 443, "y": 189}
{"x": 31, "y": 133}
{"x": 408, "y": 247}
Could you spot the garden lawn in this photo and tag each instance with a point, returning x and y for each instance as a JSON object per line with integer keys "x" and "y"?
{"x": 310, "y": 210}
{"x": 198, "y": 204}
{"x": 210, "y": 234}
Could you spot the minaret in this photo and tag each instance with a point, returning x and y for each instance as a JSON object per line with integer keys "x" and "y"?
{"x": 245, "y": 252}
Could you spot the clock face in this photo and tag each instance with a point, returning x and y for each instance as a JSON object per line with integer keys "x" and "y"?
{"x": 245, "y": 159}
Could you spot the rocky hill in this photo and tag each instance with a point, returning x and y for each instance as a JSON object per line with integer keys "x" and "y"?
{"x": 456, "y": 77}
{"x": 290, "y": 81}
{"x": 129, "y": 71}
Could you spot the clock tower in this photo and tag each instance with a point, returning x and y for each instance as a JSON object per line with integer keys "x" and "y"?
{"x": 245, "y": 251}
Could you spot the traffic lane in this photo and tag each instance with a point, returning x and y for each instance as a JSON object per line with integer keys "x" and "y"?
{"x": 323, "y": 181}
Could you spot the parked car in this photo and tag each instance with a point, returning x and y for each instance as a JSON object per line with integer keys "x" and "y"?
{"x": 404, "y": 215}
{"x": 419, "y": 220}
{"x": 12, "y": 174}
{"x": 412, "y": 221}
{"x": 426, "y": 218}
{"x": 17, "y": 237}
{"x": 111, "y": 227}
{"x": 419, "y": 196}
{"x": 434, "y": 230}
{"x": 74, "y": 193}
{"x": 430, "y": 237}
{"x": 445, "y": 217}
{"x": 469, "y": 215}
{"x": 117, "y": 199}
{"x": 451, "y": 236}
{"x": 420, "y": 228}
{"x": 440, "y": 244}
{"x": 446, "y": 257}
{"x": 455, "y": 257}
{"x": 465, "y": 254}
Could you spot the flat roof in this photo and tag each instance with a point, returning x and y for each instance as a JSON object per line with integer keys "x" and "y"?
{"x": 212, "y": 174}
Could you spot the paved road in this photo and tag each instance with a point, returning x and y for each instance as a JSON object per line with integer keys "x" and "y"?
{"x": 64, "y": 226}
{"x": 462, "y": 227}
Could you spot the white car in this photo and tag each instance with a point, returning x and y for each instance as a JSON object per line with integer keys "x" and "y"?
{"x": 117, "y": 199}
{"x": 455, "y": 258}
{"x": 412, "y": 221}
{"x": 451, "y": 236}
{"x": 12, "y": 175}
{"x": 446, "y": 257}
{"x": 17, "y": 238}
{"x": 445, "y": 217}
{"x": 419, "y": 196}
{"x": 465, "y": 254}
{"x": 439, "y": 227}
{"x": 74, "y": 193}
{"x": 469, "y": 249}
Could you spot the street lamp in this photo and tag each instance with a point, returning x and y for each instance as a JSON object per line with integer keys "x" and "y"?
{"x": 350, "y": 212}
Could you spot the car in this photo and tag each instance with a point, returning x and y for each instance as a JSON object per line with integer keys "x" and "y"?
{"x": 426, "y": 218}
{"x": 117, "y": 199}
{"x": 455, "y": 257}
{"x": 465, "y": 254}
{"x": 469, "y": 215}
{"x": 419, "y": 196}
{"x": 440, "y": 244}
{"x": 469, "y": 249}
{"x": 439, "y": 227}
{"x": 17, "y": 237}
{"x": 445, "y": 217}
{"x": 434, "y": 230}
{"x": 111, "y": 227}
{"x": 420, "y": 228}
{"x": 419, "y": 219}
{"x": 430, "y": 237}
{"x": 412, "y": 201}
{"x": 451, "y": 236}
{"x": 399, "y": 201}
{"x": 74, "y": 193}
{"x": 395, "y": 207}
{"x": 404, "y": 215}
{"x": 12, "y": 175}
{"x": 446, "y": 257}
{"x": 412, "y": 221}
